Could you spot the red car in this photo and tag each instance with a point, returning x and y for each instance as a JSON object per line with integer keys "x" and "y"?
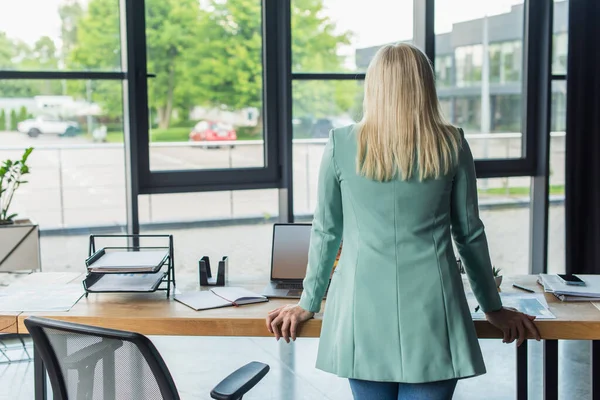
{"x": 210, "y": 131}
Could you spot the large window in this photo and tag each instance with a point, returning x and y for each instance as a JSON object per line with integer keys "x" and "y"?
{"x": 39, "y": 35}
{"x": 484, "y": 94}
{"x": 194, "y": 96}
{"x": 78, "y": 161}
{"x": 205, "y": 101}
{"x": 68, "y": 104}
{"x": 342, "y": 36}
{"x": 329, "y": 47}
{"x": 504, "y": 210}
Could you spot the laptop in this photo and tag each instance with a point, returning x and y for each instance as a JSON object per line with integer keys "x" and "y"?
{"x": 289, "y": 260}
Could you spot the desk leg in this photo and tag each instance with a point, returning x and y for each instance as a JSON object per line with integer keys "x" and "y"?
{"x": 550, "y": 369}
{"x": 522, "y": 372}
{"x": 595, "y": 367}
{"x": 39, "y": 372}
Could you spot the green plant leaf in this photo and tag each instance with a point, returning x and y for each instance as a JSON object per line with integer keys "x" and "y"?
{"x": 10, "y": 217}
{"x": 26, "y": 154}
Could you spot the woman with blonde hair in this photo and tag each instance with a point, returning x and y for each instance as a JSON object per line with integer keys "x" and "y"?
{"x": 398, "y": 187}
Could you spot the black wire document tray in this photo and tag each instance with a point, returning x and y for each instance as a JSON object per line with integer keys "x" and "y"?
{"x": 130, "y": 268}
{"x": 123, "y": 261}
{"x": 110, "y": 283}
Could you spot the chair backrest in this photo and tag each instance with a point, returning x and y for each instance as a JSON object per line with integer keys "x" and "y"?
{"x": 90, "y": 363}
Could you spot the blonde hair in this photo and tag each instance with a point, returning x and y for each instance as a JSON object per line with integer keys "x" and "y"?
{"x": 402, "y": 125}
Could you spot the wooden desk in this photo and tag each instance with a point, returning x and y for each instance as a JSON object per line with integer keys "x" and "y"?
{"x": 152, "y": 314}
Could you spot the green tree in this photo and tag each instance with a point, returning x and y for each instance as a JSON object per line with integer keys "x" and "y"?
{"x": 2, "y": 120}
{"x": 209, "y": 53}
{"x": 70, "y": 12}
{"x": 6, "y": 51}
{"x": 13, "y": 120}
{"x": 171, "y": 29}
{"x": 23, "y": 114}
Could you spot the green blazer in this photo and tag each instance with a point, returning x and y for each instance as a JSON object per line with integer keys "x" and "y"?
{"x": 396, "y": 309}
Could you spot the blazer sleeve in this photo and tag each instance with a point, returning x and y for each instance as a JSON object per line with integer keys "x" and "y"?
{"x": 326, "y": 233}
{"x": 469, "y": 233}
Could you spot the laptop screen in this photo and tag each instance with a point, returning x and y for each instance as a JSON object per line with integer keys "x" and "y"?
{"x": 290, "y": 251}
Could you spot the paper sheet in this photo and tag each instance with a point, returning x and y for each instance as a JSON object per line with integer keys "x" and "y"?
{"x": 34, "y": 299}
{"x": 126, "y": 282}
{"x": 126, "y": 261}
{"x": 529, "y": 303}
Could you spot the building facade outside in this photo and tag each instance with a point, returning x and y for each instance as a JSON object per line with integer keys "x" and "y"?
{"x": 479, "y": 71}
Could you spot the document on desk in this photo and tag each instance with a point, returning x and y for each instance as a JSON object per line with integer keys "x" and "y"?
{"x": 40, "y": 298}
{"x": 529, "y": 303}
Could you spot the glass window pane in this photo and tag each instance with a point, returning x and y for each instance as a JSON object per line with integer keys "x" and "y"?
{"x": 479, "y": 84}
{"x": 343, "y": 36}
{"x": 560, "y": 37}
{"x": 318, "y": 106}
{"x": 77, "y": 177}
{"x": 189, "y": 208}
{"x": 205, "y": 102}
{"x": 504, "y": 210}
{"x": 53, "y": 35}
{"x": 556, "y": 218}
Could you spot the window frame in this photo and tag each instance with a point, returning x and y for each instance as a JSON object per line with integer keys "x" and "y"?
{"x": 201, "y": 180}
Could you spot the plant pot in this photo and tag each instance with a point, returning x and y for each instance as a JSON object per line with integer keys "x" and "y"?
{"x": 498, "y": 280}
{"x": 19, "y": 246}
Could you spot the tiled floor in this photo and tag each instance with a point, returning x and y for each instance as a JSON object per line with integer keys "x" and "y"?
{"x": 197, "y": 364}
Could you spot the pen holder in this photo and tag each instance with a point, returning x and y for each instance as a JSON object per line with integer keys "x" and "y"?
{"x": 206, "y": 278}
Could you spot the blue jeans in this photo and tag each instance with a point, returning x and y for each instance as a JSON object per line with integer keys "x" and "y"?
{"x": 368, "y": 390}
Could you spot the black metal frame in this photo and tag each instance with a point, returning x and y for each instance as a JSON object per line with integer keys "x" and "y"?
{"x": 168, "y": 277}
{"x": 233, "y": 387}
{"x": 269, "y": 176}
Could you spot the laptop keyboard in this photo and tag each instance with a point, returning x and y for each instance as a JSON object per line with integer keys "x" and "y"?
{"x": 290, "y": 286}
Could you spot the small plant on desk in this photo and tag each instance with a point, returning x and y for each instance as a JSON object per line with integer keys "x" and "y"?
{"x": 11, "y": 177}
{"x": 497, "y": 276}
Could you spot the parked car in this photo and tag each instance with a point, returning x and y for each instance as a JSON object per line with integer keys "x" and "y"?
{"x": 211, "y": 131}
{"x": 48, "y": 125}
{"x": 322, "y": 126}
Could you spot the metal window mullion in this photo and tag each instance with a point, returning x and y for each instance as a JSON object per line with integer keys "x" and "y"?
{"x": 282, "y": 103}
{"x": 135, "y": 94}
{"x": 424, "y": 27}
{"x": 62, "y": 75}
{"x": 537, "y": 86}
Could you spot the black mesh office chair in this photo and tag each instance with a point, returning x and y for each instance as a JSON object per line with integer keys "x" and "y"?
{"x": 90, "y": 363}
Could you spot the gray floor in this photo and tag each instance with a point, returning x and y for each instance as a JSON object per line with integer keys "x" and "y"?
{"x": 198, "y": 363}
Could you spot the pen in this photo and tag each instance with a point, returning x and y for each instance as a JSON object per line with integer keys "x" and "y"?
{"x": 523, "y": 288}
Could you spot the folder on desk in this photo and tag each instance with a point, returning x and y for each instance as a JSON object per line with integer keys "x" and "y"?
{"x": 589, "y": 292}
{"x": 219, "y": 297}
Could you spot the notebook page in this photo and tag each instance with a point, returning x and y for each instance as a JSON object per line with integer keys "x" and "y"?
{"x": 238, "y": 295}
{"x": 202, "y": 300}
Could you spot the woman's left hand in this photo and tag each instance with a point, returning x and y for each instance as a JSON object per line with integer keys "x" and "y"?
{"x": 284, "y": 321}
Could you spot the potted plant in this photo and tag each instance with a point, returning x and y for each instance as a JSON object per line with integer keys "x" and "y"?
{"x": 497, "y": 276}
{"x": 19, "y": 238}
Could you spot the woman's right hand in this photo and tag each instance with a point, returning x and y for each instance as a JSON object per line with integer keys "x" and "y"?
{"x": 513, "y": 324}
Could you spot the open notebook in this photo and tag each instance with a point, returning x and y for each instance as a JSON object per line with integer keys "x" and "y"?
{"x": 219, "y": 297}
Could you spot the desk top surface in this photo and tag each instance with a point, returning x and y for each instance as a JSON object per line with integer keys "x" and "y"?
{"x": 153, "y": 314}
